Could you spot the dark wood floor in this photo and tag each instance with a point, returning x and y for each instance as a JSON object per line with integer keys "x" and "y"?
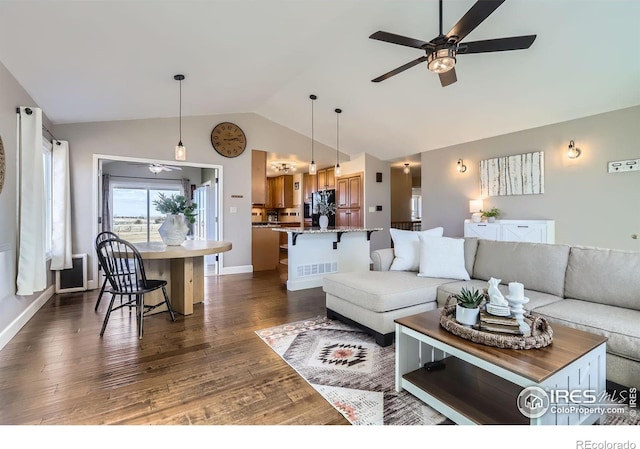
{"x": 206, "y": 368}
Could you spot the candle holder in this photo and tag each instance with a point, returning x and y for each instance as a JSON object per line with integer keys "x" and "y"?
{"x": 517, "y": 310}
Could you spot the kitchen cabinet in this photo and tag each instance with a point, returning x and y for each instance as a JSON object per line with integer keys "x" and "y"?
{"x": 258, "y": 177}
{"x": 265, "y": 248}
{"x": 326, "y": 179}
{"x": 349, "y": 199}
{"x": 280, "y": 191}
{"x": 309, "y": 185}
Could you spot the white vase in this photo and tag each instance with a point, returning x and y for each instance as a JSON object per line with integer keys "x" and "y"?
{"x": 491, "y": 219}
{"x": 323, "y": 221}
{"x": 466, "y": 316}
{"x": 174, "y": 230}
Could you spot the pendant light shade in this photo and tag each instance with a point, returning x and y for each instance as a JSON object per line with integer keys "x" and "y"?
{"x": 337, "y": 170}
{"x": 181, "y": 150}
{"x": 312, "y": 165}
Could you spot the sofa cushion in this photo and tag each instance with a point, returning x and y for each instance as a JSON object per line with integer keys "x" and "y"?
{"x": 539, "y": 266}
{"x": 618, "y": 324}
{"x": 604, "y": 276}
{"x": 406, "y": 247}
{"x": 470, "y": 249}
{"x": 382, "y": 291}
{"x": 442, "y": 257}
{"x": 536, "y": 299}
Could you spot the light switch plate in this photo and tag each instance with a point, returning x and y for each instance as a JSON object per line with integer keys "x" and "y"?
{"x": 624, "y": 166}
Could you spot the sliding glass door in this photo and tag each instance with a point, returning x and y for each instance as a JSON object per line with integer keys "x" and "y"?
{"x": 135, "y": 218}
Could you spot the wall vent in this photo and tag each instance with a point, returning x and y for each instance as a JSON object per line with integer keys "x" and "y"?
{"x": 73, "y": 279}
{"x": 315, "y": 269}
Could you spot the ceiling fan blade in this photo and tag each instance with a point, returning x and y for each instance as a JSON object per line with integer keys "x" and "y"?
{"x": 491, "y": 45}
{"x": 448, "y": 77}
{"x": 474, "y": 17}
{"x": 400, "y": 69}
{"x": 172, "y": 167}
{"x": 400, "y": 40}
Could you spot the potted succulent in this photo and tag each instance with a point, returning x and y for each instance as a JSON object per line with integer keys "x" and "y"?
{"x": 468, "y": 306}
{"x": 174, "y": 230}
{"x": 491, "y": 214}
{"x": 325, "y": 208}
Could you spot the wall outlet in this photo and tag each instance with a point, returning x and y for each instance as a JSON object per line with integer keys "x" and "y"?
{"x": 372, "y": 208}
{"x": 233, "y": 210}
{"x": 624, "y": 166}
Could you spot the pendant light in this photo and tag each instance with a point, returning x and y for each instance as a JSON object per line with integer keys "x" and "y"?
{"x": 337, "y": 171}
{"x": 181, "y": 150}
{"x": 312, "y": 165}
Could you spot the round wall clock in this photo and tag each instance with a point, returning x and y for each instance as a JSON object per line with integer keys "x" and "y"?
{"x": 1, "y": 165}
{"x": 228, "y": 139}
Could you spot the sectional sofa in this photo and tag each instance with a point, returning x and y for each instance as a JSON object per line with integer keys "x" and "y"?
{"x": 592, "y": 289}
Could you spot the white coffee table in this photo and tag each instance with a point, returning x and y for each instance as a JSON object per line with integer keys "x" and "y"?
{"x": 481, "y": 384}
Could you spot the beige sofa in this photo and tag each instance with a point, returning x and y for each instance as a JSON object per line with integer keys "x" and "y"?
{"x": 592, "y": 289}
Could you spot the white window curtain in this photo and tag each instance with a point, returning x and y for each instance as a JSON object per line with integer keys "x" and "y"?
{"x": 61, "y": 207}
{"x": 32, "y": 270}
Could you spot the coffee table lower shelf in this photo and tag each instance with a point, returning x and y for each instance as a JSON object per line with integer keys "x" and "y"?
{"x": 467, "y": 391}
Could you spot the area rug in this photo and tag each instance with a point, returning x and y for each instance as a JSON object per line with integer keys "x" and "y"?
{"x": 356, "y": 376}
{"x": 349, "y": 370}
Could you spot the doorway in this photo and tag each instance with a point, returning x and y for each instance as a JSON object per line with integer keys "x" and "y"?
{"x": 125, "y": 188}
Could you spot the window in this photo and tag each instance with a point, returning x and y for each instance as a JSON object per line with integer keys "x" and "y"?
{"x": 48, "y": 195}
{"x": 135, "y": 218}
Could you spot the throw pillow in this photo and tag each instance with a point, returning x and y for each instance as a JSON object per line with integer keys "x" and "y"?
{"x": 406, "y": 248}
{"x": 442, "y": 257}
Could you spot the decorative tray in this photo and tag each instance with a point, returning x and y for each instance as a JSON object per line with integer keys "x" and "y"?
{"x": 541, "y": 332}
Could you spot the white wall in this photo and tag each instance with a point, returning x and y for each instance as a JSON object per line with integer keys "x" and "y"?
{"x": 590, "y": 206}
{"x": 156, "y": 139}
{"x": 14, "y": 310}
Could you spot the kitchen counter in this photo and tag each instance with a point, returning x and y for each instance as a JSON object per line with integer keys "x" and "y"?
{"x": 314, "y": 252}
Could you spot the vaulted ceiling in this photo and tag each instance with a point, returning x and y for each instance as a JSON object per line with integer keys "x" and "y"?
{"x": 114, "y": 60}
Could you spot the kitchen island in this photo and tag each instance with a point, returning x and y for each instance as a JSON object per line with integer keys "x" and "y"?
{"x": 314, "y": 252}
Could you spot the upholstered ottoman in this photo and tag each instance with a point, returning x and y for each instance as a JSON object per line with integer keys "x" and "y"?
{"x": 372, "y": 300}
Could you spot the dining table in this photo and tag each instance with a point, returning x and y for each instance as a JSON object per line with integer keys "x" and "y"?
{"x": 182, "y": 266}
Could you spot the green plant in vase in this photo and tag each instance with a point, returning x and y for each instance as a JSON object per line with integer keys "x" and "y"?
{"x": 468, "y": 306}
{"x": 491, "y": 214}
{"x": 469, "y": 299}
{"x": 175, "y": 205}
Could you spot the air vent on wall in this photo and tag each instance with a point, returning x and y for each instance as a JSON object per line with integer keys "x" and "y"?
{"x": 315, "y": 269}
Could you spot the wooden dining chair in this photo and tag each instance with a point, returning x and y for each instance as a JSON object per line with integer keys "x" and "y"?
{"x": 123, "y": 266}
{"x": 104, "y": 235}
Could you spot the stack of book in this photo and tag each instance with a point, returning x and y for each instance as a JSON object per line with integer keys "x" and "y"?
{"x": 501, "y": 324}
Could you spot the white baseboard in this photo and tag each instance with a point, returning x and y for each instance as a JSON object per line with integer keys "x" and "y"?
{"x": 237, "y": 269}
{"x": 10, "y": 331}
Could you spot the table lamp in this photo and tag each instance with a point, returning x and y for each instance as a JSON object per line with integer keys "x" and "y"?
{"x": 475, "y": 206}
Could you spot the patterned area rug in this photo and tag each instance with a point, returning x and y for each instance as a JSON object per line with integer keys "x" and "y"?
{"x": 356, "y": 376}
{"x": 349, "y": 370}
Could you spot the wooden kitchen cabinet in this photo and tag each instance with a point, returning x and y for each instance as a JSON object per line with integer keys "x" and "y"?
{"x": 326, "y": 179}
{"x": 349, "y": 199}
{"x": 280, "y": 191}
{"x": 265, "y": 249}
{"x": 309, "y": 184}
{"x": 258, "y": 177}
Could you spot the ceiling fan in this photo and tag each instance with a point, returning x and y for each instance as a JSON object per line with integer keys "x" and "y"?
{"x": 442, "y": 50}
{"x": 156, "y": 168}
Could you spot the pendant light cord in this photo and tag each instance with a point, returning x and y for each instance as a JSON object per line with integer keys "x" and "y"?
{"x": 313, "y": 97}
{"x": 338, "y": 111}
{"x": 180, "y": 115}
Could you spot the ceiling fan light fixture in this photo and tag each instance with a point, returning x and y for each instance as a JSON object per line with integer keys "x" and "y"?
{"x": 155, "y": 169}
{"x": 441, "y": 60}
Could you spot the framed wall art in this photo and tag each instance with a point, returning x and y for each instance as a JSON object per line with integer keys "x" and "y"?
{"x": 521, "y": 174}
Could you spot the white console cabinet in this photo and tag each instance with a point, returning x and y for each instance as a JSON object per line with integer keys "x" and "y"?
{"x": 535, "y": 231}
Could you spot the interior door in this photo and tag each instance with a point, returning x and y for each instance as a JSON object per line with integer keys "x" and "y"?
{"x": 206, "y": 226}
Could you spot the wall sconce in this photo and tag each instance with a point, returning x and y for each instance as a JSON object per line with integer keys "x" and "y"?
{"x": 475, "y": 209}
{"x": 573, "y": 152}
{"x": 461, "y": 167}
{"x": 406, "y": 169}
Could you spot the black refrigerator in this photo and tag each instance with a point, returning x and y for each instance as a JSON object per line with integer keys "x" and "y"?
{"x": 315, "y": 216}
